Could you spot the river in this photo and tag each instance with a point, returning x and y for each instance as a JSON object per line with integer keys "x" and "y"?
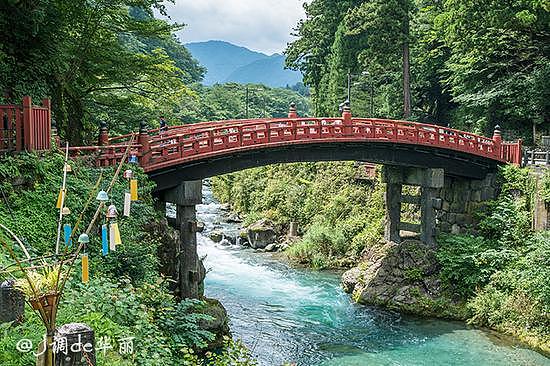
{"x": 285, "y": 314}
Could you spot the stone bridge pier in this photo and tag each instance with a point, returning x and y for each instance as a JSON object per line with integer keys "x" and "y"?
{"x": 186, "y": 268}
{"x": 446, "y": 203}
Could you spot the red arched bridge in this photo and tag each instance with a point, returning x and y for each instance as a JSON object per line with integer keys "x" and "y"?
{"x": 200, "y": 150}
{"x": 451, "y": 167}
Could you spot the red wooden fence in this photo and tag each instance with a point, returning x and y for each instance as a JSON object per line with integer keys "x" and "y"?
{"x": 25, "y": 127}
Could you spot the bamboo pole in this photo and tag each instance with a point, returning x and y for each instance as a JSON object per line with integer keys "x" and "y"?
{"x": 63, "y": 188}
{"x": 98, "y": 211}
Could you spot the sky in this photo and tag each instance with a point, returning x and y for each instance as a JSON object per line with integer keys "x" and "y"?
{"x": 260, "y": 25}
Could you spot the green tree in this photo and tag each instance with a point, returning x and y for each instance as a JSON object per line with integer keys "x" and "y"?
{"x": 432, "y": 100}
{"x": 386, "y": 26}
{"x": 99, "y": 60}
{"x": 498, "y": 62}
{"x": 229, "y": 101}
{"x": 310, "y": 52}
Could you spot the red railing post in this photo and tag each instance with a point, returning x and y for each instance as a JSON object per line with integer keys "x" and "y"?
{"x": 145, "y": 148}
{"x": 46, "y": 133}
{"x": 292, "y": 111}
{"x": 346, "y": 116}
{"x": 27, "y": 142}
{"x": 103, "y": 134}
{"x": 519, "y": 157}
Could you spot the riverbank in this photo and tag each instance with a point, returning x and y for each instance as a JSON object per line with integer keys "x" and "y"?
{"x": 126, "y": 295}
{"x": 495, "y": 277}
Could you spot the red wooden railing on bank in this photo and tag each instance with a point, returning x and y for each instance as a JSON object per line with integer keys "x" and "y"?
{"x": 25, "y": 127}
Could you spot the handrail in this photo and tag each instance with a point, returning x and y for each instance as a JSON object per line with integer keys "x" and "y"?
{"x": 196, "y": 141}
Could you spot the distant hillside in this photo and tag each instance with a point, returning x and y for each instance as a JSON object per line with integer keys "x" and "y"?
{"x": 227, "y": 62}
{"x": 269, "y": 71}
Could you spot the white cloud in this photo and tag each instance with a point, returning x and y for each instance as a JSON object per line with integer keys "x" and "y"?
{"x": 260, "y": 25}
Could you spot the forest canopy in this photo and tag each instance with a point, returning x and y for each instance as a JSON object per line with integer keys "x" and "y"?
{"x": 472, "y": 64}
{"x": 108, "y": 60}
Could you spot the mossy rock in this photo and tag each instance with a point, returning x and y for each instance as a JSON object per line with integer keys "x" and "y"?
{"x": 219, "y": 325}
{"x": 216, "y": 236}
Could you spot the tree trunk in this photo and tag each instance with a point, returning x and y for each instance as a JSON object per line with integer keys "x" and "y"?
{"x": 406, "y": 82}
{"x": 68, "y": 110}
{"x": 75, "y": 126}
{"x": 406, "y": 69}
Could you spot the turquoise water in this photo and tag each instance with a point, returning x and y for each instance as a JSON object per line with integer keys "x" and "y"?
{"x": 295, "y": 315}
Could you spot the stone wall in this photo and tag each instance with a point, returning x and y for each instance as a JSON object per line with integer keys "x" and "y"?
{"x": 459, "y": 199}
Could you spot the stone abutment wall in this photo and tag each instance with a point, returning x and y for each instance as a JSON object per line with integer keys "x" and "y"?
{"x": 446, "y": 204}
{"x": 460, "y": 199}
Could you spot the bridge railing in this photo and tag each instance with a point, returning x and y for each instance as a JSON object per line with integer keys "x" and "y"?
{"x": 109, "y": 155}
{"x": 188, "y": 142}
{"x": 512, "y": 152}
{"x": 202, "y": 140}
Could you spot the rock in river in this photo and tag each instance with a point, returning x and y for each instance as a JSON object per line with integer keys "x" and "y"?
{"x": 398, "y": 276}
{"x": 271, "y": 248}
{"x": 261, "y": 234}
{"x": 216, "y": 236}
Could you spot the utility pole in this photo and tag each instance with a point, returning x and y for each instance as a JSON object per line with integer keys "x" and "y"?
{"x": 349, "y": 86}
{"x": 246, "y": 111}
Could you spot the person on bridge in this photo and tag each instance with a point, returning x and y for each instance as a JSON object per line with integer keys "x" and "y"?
{"x": 163, "y": 126}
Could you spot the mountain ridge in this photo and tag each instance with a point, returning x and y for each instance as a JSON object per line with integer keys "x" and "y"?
{"x": 227, "y": 62}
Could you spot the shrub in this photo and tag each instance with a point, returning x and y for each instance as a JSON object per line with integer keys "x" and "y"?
{"x": 517, "y": 298}
{"x": 338, "y": 215}
{"x": 504, "y": 271}
{"x": 125, "y": 296}
{"x": 508, "y": 222}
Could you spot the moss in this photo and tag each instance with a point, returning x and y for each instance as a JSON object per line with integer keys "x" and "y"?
{"x": 413, "y": 274}
{"x": 218, "y": 325}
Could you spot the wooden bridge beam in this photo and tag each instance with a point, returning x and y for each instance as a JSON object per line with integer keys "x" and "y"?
{"x": 428, "y": 215}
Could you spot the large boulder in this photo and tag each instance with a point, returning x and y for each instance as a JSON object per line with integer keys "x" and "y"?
{"x": 271, "y": 248}
{"x": 167, "y": 252}
{"x": 218, "y": 325}
{"x": 398, "y": 276}
{"x": 233, "y": 218}
{"x": 242, "y": 239}
{"x": 350, "y": 279}
{"x": 261, "y": 234}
